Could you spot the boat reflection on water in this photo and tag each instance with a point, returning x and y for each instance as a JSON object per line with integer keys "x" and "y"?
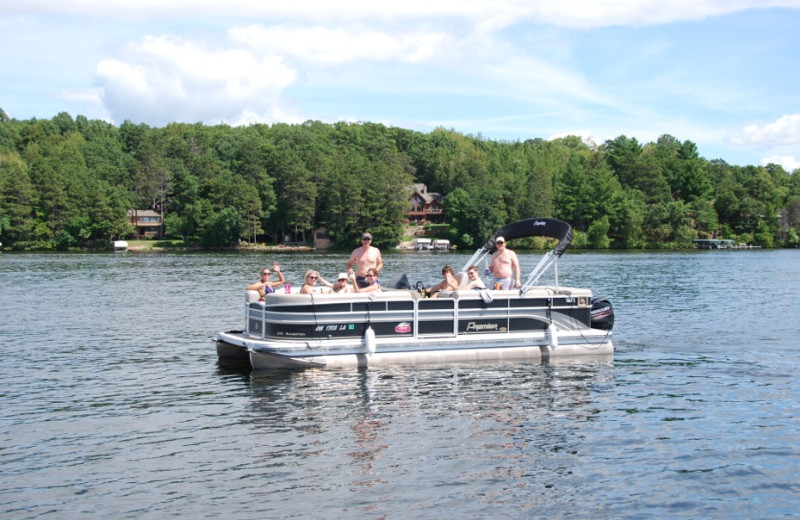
{"x": 361, "y": 425}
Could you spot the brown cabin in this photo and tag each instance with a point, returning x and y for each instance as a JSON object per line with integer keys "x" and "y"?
{"x": 148, "y": 223}
{"x": 425, "y": 206}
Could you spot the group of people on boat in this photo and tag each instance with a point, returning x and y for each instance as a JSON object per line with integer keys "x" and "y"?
{"x": 365, "y": 264}
{"x": 342, "y": 284}
{"x": 363, "y": 269}
{"x": 452, "y": 283}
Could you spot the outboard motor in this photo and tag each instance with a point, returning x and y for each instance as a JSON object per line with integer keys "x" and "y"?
{"x": 602, "y": 314}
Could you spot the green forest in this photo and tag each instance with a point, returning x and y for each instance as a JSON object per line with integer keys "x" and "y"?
{"x": 67, "y": 183}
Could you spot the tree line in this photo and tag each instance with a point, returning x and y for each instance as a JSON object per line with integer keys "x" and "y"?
{"x": 68, "y": 183}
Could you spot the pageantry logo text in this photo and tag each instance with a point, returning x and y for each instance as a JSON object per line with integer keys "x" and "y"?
{"x": 481, "y": 327}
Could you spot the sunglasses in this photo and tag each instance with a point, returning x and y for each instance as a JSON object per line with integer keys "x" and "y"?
{"x": 312, "y": 277}
{"x": 370, "y": 276}
{"x": 265, "y": 274}
{"x": 472, "y": 273}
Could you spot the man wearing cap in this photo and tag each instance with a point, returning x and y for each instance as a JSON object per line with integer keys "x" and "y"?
{"x": 363, "y": 258}
{"x": 504, "y": 265}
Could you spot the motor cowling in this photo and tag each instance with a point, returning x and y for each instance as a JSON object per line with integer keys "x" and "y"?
{"x": 602, "y": 314}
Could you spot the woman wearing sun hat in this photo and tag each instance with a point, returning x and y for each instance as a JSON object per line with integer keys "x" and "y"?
{"x": 341, "y": 285}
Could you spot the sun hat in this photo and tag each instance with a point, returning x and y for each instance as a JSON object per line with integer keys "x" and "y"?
{"x": 342, "y": 276}
{"x": 366, "y": 235}
{"x": 499, "y": 239}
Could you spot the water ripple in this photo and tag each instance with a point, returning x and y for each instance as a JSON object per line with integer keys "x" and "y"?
{"x": 114, "y": 404}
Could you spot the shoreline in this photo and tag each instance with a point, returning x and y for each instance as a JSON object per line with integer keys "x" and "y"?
{"x": 146, "y": 247}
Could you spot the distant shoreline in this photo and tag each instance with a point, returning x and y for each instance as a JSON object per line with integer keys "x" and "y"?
{"x": 145, "y": 246}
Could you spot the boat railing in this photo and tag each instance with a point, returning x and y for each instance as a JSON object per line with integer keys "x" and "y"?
{"x": 398, "y": 305}
{"x": 529, "y": 291}
{"x": 550, "y": 258}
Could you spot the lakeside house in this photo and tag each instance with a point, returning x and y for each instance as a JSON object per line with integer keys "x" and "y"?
{"x": 146, "y": 222}
{"x": 321, "y": 238}
{"x": 425, "y": 206}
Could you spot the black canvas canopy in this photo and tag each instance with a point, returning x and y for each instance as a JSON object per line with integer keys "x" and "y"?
{"x": 534, "y": 227}
{"x": 531, "y": 227}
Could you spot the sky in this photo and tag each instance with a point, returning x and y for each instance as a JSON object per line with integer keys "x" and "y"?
{"x": 724, "y": 74}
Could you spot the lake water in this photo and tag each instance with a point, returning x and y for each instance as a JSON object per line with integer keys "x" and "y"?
{"x": 114, "y": 404}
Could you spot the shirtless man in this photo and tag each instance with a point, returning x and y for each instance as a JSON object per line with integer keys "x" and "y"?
{"x": 448, "y": 284}
{"x": 363, "y": 258}
{"x": 474, "y": 279}
{"x": 504, "y": 265}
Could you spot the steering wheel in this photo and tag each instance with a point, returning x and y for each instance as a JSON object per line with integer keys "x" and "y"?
{"x": 420, "y": 288}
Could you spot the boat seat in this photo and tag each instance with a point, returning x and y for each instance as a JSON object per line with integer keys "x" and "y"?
{"x": 463, "y": 280}
{"x": 251, "y": 297}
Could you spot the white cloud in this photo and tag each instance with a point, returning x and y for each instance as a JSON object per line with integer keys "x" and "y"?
{"x": 494, "y": 14}
{"x": 337, "y": 46}
{"x": 788, "y": 162}
{"x": 274, "y": 114}
{"x": 91, "y": 95}
{"x": 784, "y": 131}
{"x": 165, "y": 79}
{"x": 588, "y": 137}
{"x": 534, "y": 78}
{"x": 604, "y": 13}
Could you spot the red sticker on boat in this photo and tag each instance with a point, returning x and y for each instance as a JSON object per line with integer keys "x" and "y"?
{"x": 403, "y": 328}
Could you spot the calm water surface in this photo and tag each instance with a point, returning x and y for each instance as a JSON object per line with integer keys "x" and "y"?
{"x": 114, "y": 404}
